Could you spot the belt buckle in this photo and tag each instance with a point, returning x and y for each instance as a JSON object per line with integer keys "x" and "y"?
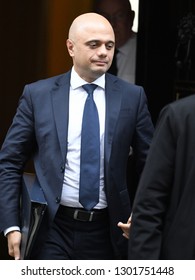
{"x": 91, "y": 216}
{"x": 76, "y": 216}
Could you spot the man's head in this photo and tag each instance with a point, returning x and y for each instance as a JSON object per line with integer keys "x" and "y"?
{"x": 91, "y": 43}
{"x": 120, "y": 15}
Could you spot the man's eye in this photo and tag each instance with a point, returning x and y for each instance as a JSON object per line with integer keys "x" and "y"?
{"x": 93, "y": 44}
{"x": 109, "y": 46}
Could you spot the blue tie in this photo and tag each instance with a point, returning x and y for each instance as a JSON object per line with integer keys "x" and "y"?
{"x": 90, "y": 152}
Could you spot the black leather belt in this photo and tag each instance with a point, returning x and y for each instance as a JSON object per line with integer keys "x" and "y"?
{"x": 83, "y": 215}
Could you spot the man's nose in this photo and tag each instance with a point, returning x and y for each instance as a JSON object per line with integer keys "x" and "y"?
{"x": 102, "y": 50}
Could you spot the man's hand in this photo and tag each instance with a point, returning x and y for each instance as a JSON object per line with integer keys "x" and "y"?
{"x": 14, "y": 239}
{"x": 125, "y": 227}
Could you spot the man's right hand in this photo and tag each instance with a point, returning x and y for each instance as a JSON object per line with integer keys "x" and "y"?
{"x": 14, "y": 239}
{"x": 125, "y": 227}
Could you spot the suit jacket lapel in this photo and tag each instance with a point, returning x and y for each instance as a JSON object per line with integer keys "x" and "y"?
{"x": 60, "y": 96}
{"x": 113, "y": 104}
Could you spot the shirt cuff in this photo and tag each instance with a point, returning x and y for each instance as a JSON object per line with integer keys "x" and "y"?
{"x": 15, "y": 228}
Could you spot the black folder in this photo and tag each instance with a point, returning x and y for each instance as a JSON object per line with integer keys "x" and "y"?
{"x": 33, "y": 207}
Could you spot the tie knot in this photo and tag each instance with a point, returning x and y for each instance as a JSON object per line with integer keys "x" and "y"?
{"x": 89, "y": 88}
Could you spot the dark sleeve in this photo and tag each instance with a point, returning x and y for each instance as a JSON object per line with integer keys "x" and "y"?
{"x": 152, "y": 196}
{"x": 16, "y": 150}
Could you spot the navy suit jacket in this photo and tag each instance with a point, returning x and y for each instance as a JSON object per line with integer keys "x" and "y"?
{"x": 40, "y": 129}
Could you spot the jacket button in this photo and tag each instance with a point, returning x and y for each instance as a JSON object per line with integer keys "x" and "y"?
{"x": 62, "y": 169}
{"x": 57, "y": 199}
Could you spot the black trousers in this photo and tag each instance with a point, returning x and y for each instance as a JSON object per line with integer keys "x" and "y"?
{"x": 70, "y": 239}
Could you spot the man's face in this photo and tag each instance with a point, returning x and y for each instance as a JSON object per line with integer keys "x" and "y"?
{"x": 92, "y": 51}
{"x": 120, "y": 17}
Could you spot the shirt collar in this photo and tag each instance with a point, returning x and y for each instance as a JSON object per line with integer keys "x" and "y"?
{"x": 76, "y": 81}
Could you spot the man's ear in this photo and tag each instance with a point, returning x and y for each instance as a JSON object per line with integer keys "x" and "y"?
{"x": 132, "y": 15}
{"x": 70, "y": 47}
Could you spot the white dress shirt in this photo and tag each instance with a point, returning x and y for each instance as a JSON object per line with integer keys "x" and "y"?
{"x": 70, "y": 191}
{"x": 126, "y": 60}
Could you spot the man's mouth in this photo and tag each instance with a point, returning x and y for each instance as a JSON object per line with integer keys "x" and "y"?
{"x": 101, "y": 62}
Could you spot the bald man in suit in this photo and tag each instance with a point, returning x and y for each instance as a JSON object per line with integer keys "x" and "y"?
{"x": 47, "y": 125}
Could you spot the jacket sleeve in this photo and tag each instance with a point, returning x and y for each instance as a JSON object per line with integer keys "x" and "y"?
{"x": 152, "y": 196}
{"x": 16, "y": 150}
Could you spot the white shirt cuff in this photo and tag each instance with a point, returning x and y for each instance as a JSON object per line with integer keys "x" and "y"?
{"x": 11, "y": 229}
